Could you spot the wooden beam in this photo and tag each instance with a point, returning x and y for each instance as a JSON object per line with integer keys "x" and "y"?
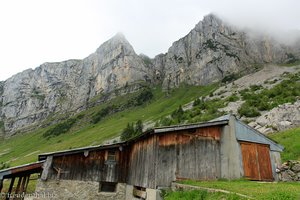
{"x": 10, "y": 188}
{"x": 46, "y": 167}
{"x": 18, "y": 187}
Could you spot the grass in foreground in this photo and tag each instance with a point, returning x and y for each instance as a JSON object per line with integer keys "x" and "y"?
{"x": 256, "y": 190}
{"x": 198, "y": 195}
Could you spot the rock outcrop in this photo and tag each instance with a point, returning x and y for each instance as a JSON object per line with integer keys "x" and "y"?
{"x": 289, "y": 171}
{"x": 214, "y": 50}
{"x": 279, "y": 119}
{"x": 32, "y": 95}
{"x": 210, "y": 52}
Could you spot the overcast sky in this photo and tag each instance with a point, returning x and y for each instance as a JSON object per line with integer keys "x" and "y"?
{"x": 36, "y": 31}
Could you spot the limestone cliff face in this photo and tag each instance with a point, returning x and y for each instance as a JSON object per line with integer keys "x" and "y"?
{"x": 32, "y": 95}
{"x": 213, "y": 50}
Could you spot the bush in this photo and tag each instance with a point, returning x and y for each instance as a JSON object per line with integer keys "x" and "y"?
{"x": 60, "y": 128}
{"x": 103, "y": 113}
{"x": 145, "y": 96}
{"x": 127, "y": 132}
{"x": 248, "y": 111}
{"x": 230, "y": 77}
{"x": 199, "y": 103}
{"x": 178, "y": 114}
{"x": 255, "y": 87}
{"x": 233, "y": 98}
{"x": 285, "y": 92}
{"x": 132, "y": 130}
{"x": 196, "y": 102}
{"x": 166, "y": 121}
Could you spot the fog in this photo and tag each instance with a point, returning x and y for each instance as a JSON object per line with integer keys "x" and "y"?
{"x": 34, "y": 31}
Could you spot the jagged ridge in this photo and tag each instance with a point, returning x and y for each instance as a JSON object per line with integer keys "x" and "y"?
{"x": 211, "y": 51}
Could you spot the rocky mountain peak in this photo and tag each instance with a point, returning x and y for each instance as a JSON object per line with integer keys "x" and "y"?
{"x": 208, "y": 53}
{"x": 117, "y": 42}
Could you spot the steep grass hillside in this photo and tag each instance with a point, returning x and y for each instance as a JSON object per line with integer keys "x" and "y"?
{"x": 155, "y": 107}
{"x": 290, "y": 139}
{"x": 97, "y": 124}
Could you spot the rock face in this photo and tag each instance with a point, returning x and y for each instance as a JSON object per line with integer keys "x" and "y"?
{"x": 32, "y": 95}
{"x": 211, "y": 51}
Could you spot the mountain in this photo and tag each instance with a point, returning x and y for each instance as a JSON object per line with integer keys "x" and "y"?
{"x": 32, "y": 95}
{"x": 212, "y": 51}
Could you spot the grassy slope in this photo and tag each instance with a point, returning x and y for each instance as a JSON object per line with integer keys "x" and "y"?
{"x": 290, "y": 139}
{"x": 25, "y": 148}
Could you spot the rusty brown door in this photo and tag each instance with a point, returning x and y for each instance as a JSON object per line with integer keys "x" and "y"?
{"x": 264, "y": 162}
{"x": 256, "y": 161}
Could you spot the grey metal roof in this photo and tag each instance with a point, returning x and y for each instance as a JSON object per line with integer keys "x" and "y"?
{"x": 190, "y": 126}
{"x": 222, "y": 118}
{"x": 79, "y": 150}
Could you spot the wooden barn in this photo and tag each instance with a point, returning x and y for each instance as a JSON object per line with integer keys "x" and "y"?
{"x": 221, "y": 148}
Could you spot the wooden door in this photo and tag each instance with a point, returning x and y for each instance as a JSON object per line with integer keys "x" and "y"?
{"x": 256, "y": 161}
{"x": 264, "y": 162}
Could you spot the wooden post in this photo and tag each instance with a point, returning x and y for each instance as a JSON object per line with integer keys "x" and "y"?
{"x": 23, "y": 184}
{"x": 10, "y": 188}
{"x": 1, "y": 185}
{"x": 26, "y": 185}
{"x": 46, "y": 167}
{"x": 18, "y": 187}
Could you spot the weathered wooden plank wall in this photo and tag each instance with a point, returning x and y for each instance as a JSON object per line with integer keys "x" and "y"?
{"x": 149, "y": 162}
{"x": 92, "y": 167}
{"x": 142, "y": 163}
{"x": 189, "y": 155}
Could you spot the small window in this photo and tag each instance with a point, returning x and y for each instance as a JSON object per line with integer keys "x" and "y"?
{"x": 108, "y": 187}
{"x": 111, "y": 156}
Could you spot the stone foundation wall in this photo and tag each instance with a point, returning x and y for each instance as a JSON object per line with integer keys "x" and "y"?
{"x": 71, "y": 189}
{"x": 289, "y": 171}
{"x": 151, "y": 194}
{"x": 87, "y": 190}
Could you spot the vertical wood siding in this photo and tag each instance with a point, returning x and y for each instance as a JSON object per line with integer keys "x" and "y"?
{"x": 94, "y": 167}
{"x": 142, "y": 166}
{"x": 189, "y": 155}
{"x": 149, "y": 162}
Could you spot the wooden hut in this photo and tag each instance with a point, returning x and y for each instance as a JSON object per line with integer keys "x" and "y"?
{"x": 221, "y": 148}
